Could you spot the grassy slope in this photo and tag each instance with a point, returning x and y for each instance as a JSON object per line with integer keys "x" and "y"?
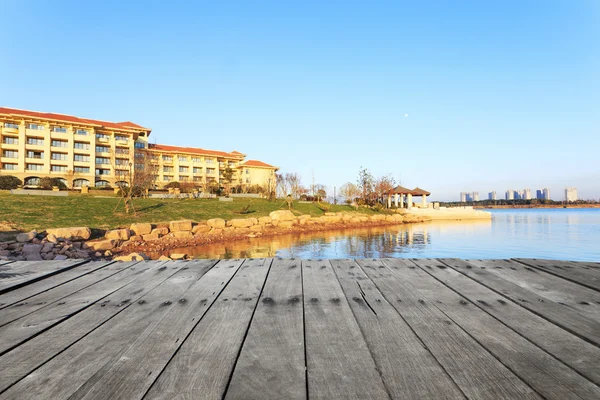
{"x": 41, "y": 212}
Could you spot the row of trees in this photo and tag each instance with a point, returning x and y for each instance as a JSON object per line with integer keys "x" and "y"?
{"x": 290, "y": 184}
{"x": 368, "y": 190}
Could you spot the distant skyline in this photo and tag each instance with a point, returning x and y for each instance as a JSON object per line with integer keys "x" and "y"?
{"x": 448, "y": 96}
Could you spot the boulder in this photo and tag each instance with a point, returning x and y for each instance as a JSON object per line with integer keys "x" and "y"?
{"x": 282, "y": 215}
{"x": 60, "y": 257}
{"x": 182, "y": 234}
{"x": 216, "y": 231}
{"x": 26, "y": 237}
{"x": 286, "y": 224}
{"x": 161, "y": 231}
{"x": 140, "y": 229}
{"x": 118, "y": 234}
{"x": 151, "y": 236}
{"x": 180, "y": 226}
{"x": 164, "y": 258}
{"x": 48, "y": 247}
{"x": 264, "y": 220}
{"x": 241, "y": 223}
{"x": 32, "y": 249}
{"x": 132, "y": 257}
{"x": 33, "y": 257}
{"x": 256, "y": 228}
{"x": 217, "y": 223}
{"x": 107, "y": 244}
{"x": 77, "y": 233}
{"x": 178, "y": 256}
{"x": 52, "y": 239}
{"x": 199, "y": 229}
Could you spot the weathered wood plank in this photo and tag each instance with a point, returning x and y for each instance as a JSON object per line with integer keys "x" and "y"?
{"x": 477, "y": 372}
{"x": 586, "y": 328}
{"x": 45, "y": 299}
{"x": 25, "y": 292}
{"x": 583, "y": 276}
{"x": 32, "y": 354}
{"x": 572, "y": 295}
{"x": 203, "y": 365}
{"x": 339, "y": 363}
{"x": 547, "y": 375}
{"x": 95, "y": 354}
{"x": 271, "y": 364}
{"x": 21, "y": 329}
{"x": 500, "y": 301}
{"x": 408, "y": 369}
{"x": 33, "y": 272}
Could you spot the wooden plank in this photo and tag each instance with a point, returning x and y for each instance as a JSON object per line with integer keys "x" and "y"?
{"x": 25, "y": 292}
{"x": 586, "y": 328}
{"x": 32, "y": 354}
{"x": 477, "y": 372}
{"x": 583, "y": 276}
{"x": 498, "y": 299}
{"x": 339, "y": 363}
{"x": 574, "y": 296}
{"x": 45, "y": 299}
{"x": 204, "y": 363}
{"x": 20, "y": 330}
{"x": 65, "y": 374}
{"x": 34, "y": 271}
{"x": 271, "y": 364}
{"x": 405, "y": 363}
{"x": 547, "y": 375}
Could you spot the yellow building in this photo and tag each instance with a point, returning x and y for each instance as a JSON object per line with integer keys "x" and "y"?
{"x": 85, "y": 152}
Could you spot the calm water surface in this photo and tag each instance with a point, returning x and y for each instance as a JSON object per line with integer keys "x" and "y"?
{"x": 568, "y": 234}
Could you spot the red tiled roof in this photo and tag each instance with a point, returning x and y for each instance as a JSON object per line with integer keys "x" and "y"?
{"x": 70, "y": 118}
{"x": 256, "y": 163}
{"x": 193, "y": 150}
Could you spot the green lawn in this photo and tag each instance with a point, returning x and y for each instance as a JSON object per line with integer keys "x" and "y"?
{"x": 41, "y": 212}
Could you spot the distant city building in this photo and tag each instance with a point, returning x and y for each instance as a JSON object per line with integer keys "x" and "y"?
{"x": 510, "y": 194}
{"x": 526, "y": 194}
{"x": 492, "y": 195}
{"x": 463, "y": 197}
{"x": 475, "y": 196}
{"x": 469, "y": 197}
{"x": 546, "y": 194}
{"x": 570, "y": 194}
{"x": 539, "y": 194}
{"x": 517, "y": 195}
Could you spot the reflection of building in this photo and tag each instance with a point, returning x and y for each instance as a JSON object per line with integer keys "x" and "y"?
{"x": 526, "y": 194}
{"x": 570, "y": 194}
{"x": 510, "y": 194}
{"x": 492, "y": 195}
{"x": 85, "y": 152}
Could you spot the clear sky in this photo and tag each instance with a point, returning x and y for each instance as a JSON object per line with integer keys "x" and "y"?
{"x": 448, "y": 95}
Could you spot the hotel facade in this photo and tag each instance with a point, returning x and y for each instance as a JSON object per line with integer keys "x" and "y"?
{"x": 85, "y": 152}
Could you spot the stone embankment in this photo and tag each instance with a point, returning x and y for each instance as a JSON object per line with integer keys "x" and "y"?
{"x": 128, "y": 244}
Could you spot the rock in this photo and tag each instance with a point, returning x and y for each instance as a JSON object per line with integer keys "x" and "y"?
{"x": 48, "y": 247}
{"x": 32, "y": 249}
{"x": 47, "y": 256}
{"x": 216, "y": 223}
{"x": 377, "y": 217}
{"x": 140, "y": 229}
{"x": 34, "y": 257}
{"x": 76, "y": 245}
{"x": 215, "y": 231}
{"x": 15, "y": 246}
{"x": 52, "y": 238}
{"x": 178, "y": 256}
{"x": 26, "y": 237}
{"x": 164, "y": 258}
{"x": 229, "y": 230}
{"x": 182, "y": 235}
{"x": 256, "y": 228}
{"x": 329, "y": 214}
{"x": 180, "y": 226}
{"x": 132, "y": 257}
{"x": 108, "y": 253}
{"x": 286, "y": 224}
{"x": 118, "y": 234}
{"x": 282, "y": 215}
{"x": 4, "y": 253}
{"x": 78, "y": 233}
{"x": 161, "y": 231}
{"x": 264, "y": 220}
{"x": 150, "y": 237}
{"x": 59, "y": 257}
{"x": 97, "y": 254}
{"x": 107, "y": 244}
{"x": 199, "y": 229}
{"x": 241, "y": 223}
{"x": 136, "y": 238}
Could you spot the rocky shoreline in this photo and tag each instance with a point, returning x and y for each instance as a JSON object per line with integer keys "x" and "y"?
{"x": 132, "y": 243}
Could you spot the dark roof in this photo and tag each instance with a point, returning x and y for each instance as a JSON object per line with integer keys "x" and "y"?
{"x": 420, "y": 192}
{"x": 401, "y": 190}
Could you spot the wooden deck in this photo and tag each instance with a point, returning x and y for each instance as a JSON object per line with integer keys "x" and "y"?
{"x": 298, "y": 329}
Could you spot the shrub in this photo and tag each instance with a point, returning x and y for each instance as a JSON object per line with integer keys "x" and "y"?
{"x": 8, "y": 182}
{"x": 174, "y": 185}
{"x": 48, "y": 183}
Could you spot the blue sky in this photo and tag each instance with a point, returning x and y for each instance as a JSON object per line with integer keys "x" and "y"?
{"x": 450, "y": 96}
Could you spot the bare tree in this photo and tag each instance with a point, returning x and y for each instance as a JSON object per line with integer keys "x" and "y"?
{"x": 351, "y": 192}
{"x": 383, "y": 188}
{"x": 366, "y": 185}
{"x": 293, "y": 181}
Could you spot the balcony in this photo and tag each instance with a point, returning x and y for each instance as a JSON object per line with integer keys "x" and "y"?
{"x": 12, "y": 131}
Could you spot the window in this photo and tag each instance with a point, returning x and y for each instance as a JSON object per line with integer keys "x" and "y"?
{"x": 102, "y": 149}
{"x": 59, "y": 156}
{"x": 167, "y": 158}
{"x": 37, "y": 127}
{"x": 121, "y": 150}
{"x": 184, "y": 178}
{"x": 167, "y": 178}
{"x": 100, "y": 171}
{"x": 10, "y": 167}
{"x": 247, "y": 180}
{"x": 102, "y": 184}
{"x": 197, "y": 170}
{"x": 197, "y": 179}
{"x": 82, "y": 132}
{"x": 11, "y": 125}
{"x": 123, "y": 138}
{"x": 196, "y": 160}
{"x": 10, "y": 154}
{"x": 59, "y": 143}
{"x": 140, "y": 145}
{"x": 121, "y": 161}
{"x": 121, "y": 172}
{"x": 35, "y": 154}
{"x": 35, "y": 141}
{"x": 58, "y": 168}
{"x": 139, "y": 167}
{"x": 34, "y": 167}
{"x": 81, "y": 170}
{"x": 210, "y": 161}
{"x": 184, "y": 169}
{"x": 31, "y": 181}
{"x": 59, "y": 129}
{"x": 82, "y": 146}
{"x": 102, "y": 160}
{"x": 81, "y": 158}
{"x": 210, "y": 170}
{"x": 247, "y": 171}
{"x": 168, "y": 169}
{"x": 182, "y": 158}
{"x": 102, "y": 136}
{"x": 10, "y": 140}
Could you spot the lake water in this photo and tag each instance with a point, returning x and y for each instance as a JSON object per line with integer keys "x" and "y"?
{"x": 567, "y": 234}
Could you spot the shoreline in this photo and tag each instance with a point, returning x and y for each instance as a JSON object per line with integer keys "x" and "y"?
{"x": 536, "y": 206}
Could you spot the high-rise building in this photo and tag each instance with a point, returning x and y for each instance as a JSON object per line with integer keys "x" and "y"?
{"x": 475, "y": 196}
{"x": 510, "y": 194}
{"x": 463, "y": 197}
{"x": 539, "y": 194}
{"x": 546, "y": 193}
{"x": 570, "y": 194}
{"x": 469, "y": 197}
{"x": 526, "y": 194}
{"x": 492, "y": 195}
{"x": 518, "y": 195}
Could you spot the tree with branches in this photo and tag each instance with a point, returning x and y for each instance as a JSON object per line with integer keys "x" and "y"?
{"x": 383, "y": 188}
{"x": 366, "y": 185}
